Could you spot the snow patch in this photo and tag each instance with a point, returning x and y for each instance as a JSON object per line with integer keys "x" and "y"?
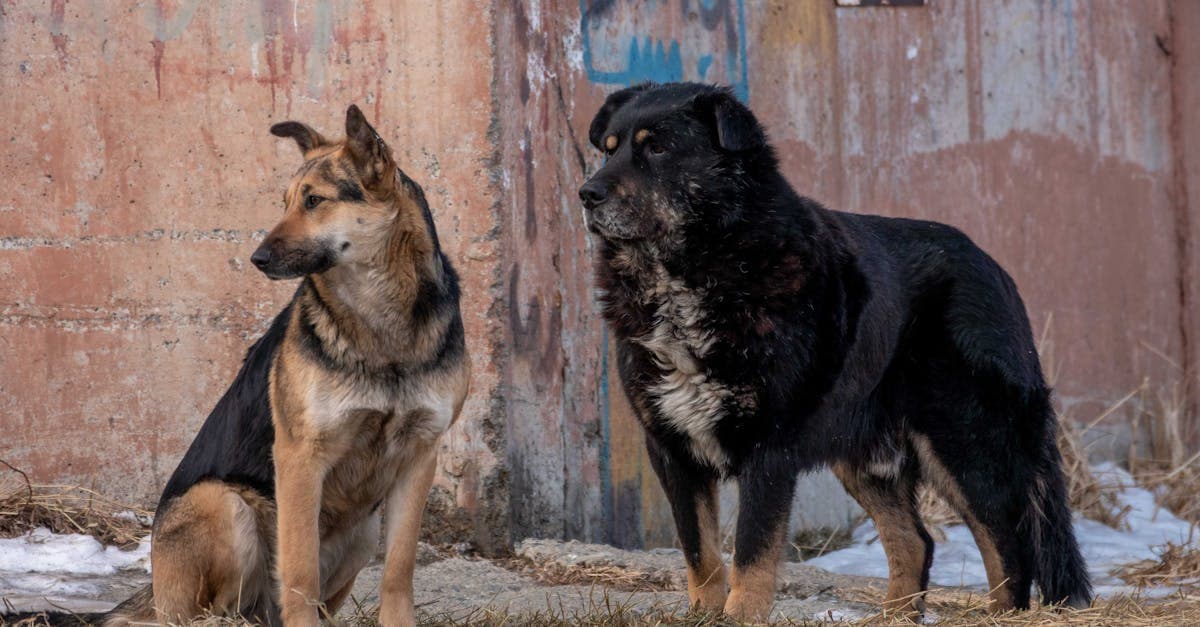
{"x": 44, "y": 552}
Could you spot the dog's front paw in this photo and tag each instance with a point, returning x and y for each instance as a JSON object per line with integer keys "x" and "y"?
{"x": 750, "y": 606}
{"x": 707, "y": 593}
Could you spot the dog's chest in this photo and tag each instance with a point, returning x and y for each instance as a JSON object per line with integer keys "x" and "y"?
{"x": 376, "y": 442}
{"x": 686, "y": 394}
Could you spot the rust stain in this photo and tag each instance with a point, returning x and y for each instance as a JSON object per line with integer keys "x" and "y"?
{"x": 159, "y": 47}
{"x": 57, "y": 14}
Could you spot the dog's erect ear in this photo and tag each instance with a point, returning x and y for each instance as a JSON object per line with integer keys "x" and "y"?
{"x": 304, "y": 135}
{"x": 615, "y": 101}
{"x": 370, "y": 154}
{"x": 735, "y": 126}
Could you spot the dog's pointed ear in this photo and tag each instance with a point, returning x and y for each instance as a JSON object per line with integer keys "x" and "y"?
{"x": 306, "y": 138}
{"x": 735, "y": 126}
{"x": 615, "y": 101}
{"x": 371, "y": 155}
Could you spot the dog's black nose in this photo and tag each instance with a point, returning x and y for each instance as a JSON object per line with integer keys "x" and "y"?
{"x": 593, "y": 193}
{"x": 261, "y": 258}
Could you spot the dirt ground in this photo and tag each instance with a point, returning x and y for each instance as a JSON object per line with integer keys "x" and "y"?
{"x": 454, "y": 588}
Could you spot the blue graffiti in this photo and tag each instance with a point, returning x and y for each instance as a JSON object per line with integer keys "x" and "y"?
{"x": 659, "y": 60}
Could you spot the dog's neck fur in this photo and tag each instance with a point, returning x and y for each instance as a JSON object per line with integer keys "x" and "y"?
{"x": 788, "y": 241}
{"x": 371, "y": 302}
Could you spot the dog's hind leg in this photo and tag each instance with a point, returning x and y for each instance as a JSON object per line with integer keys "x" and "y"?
{"x": 208, "y": 553}
{"x": 990, "y": 500}
{"x": 891, "y": 503}
{"x": 692, "y": 492}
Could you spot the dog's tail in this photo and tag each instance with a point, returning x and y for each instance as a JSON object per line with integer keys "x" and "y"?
{"x": 48, "y": 619}
{"x": 1060, "y": 571}
{"x": 138, "y": 608}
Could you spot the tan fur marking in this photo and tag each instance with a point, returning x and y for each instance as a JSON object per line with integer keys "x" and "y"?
{"x": 1002, "y": 599}
{"x": 707, "y": 584}
{"x": 641, "y": 136}
{"x": 752, "y": 587}
{"x": 902, "y": 542}
{"x": 610, "y": 143}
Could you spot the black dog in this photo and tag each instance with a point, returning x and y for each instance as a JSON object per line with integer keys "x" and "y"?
{"x": 761, "y": 335}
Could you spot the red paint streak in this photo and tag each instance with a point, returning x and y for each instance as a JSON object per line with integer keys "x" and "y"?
{"x": 276, "y": 17}
{"x": 974, "y": 74}
{"x": 365, "y": 33}
{"x": 58, "y": 9}
{"x": 159, "y": 46}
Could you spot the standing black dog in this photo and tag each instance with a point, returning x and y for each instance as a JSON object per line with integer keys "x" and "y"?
{"x": 761, "y": 335}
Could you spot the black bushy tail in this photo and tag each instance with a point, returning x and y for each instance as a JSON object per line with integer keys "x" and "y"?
{"x": 51, "y": 619}
{"x": 138, "y": 608}
{"x": 1061, "y": 574}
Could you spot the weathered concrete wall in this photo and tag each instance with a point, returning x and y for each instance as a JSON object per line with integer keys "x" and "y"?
{"x": 1045, "y": 130}
{"x": 1061, "y": 135}
{"x": 139, "y": 176}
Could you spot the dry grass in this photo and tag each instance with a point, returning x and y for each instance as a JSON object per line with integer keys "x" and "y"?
{"x": 955, "y": 608}
{"x": 606, "y": 576}
{"x": 950, "y": 608}
{"x": 1177, "y": 566}
{"x": 1173, "y": 476}
{"x": 25, "y": 506}
{"x": 1086, "y": 494}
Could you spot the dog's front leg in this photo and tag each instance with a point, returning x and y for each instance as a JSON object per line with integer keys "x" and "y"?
{"x": 692, "y": 491}
{"x": 405, "y": 505}
{"x": 766, "y": 484}
{"x": 298, "y": 481}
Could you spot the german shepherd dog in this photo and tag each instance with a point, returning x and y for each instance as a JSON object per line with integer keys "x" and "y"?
{"x": 760, "y": 335}
{"x": 335, "y": 416}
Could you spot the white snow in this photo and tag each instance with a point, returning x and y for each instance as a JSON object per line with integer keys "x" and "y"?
{"x": 43, "y": 552}
{"x": 956, "y": 561}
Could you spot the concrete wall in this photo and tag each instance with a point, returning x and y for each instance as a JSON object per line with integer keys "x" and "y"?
{"x": 139, "y": 176}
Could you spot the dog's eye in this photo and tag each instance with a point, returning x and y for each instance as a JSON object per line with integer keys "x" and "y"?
{"x": 655, "y": 148}
{"x": 312, "y": 201}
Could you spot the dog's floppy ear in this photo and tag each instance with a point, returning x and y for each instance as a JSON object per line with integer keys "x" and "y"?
{"x": 736, "y": 127}
{"x": 306, "y": 138}
{"x": 370, "y": 154}
{"x": 615, "y": 101}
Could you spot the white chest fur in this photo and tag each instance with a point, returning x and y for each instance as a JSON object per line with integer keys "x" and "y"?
{"x": 334, "y": 405}
{"x": 686, "y": 397}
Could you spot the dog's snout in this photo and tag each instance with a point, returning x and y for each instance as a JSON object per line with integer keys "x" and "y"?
{"x": 593, "y": 193}
{"x": 261, "y": 257}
